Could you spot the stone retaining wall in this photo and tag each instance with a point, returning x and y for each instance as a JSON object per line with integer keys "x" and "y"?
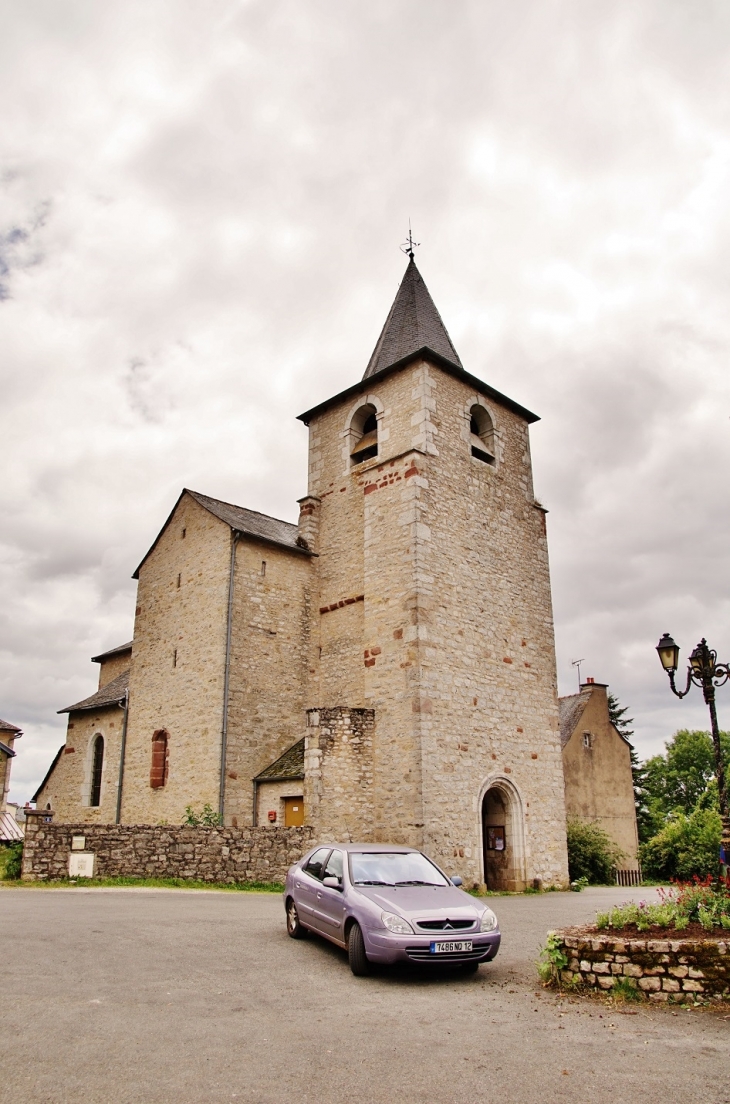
{"x": 208, "y": 854}
{"x": 662, "y": 969}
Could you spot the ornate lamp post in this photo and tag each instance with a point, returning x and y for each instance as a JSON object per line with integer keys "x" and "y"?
{"x": 704, "y": 671}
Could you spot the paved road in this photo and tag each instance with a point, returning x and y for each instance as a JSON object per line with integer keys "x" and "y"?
{"x": 154, "y": 996}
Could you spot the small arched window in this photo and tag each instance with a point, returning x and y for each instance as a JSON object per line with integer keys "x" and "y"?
{"x": 364, "y": 434}
{"x": 481, "y": 434}
{"x": 97, "y": 766}
{"x": 158, "y": 769}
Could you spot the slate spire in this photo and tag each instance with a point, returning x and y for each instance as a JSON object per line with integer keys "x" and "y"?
{"x": 412, "y": 326}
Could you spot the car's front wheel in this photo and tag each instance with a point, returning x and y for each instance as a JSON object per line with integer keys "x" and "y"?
{"x": 356, "y": 952}
{"x": 294, "y": 926}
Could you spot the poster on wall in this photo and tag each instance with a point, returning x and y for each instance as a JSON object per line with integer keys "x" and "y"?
{"x": 495, "y": 838}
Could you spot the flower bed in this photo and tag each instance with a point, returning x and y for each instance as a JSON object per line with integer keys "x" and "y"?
{"x": 675, "y": 950}
{"x": 659, "y": 967}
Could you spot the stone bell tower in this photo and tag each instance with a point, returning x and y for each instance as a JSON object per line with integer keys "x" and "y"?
{"x": 433, "y": 715}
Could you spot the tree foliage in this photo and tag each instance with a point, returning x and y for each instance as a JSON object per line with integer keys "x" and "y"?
{"x": 687, "y": 845}
{"x": 592, "y": 854}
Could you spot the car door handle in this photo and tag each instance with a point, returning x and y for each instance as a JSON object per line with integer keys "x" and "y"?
{"x": 319, "y": 896}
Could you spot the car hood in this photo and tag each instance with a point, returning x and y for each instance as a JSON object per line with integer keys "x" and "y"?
{"x": 423, "y": 902}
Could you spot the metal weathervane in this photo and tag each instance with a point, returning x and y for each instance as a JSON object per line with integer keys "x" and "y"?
{"x": 410, "y": 245}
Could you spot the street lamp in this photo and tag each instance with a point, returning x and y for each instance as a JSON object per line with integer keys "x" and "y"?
{"x": 704, "y": 671}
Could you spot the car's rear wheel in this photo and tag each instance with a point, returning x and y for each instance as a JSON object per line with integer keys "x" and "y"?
{"x": 294, "y": 926}
{"x": 356, "y": 952}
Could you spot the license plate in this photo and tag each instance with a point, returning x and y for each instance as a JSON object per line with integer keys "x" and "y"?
{"x": 454, "y": 946}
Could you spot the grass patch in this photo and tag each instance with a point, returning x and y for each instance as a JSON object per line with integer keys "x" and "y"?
{"x": 153, "y": 883}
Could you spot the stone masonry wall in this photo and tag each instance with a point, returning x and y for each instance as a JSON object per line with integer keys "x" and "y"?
{"x": 662, "y": 969}
{"x": 206, "y": 854}
{"x": 68, "y": 789}
{"x": 338, "y": 766}
{"x": 456, "y": 650}
{"x": 270, "y": 661}
{"x": 178, "y": 667}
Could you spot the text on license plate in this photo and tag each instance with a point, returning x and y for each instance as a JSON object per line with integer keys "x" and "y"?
{"x": 453, "y": 946}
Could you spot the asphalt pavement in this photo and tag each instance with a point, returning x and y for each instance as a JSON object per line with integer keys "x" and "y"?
{"x": 134, "y": 996}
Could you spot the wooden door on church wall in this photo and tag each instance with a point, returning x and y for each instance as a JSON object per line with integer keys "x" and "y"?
{"x": 293, "y": 812}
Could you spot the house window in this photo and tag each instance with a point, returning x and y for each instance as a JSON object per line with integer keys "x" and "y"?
{"x": 97, "y": 765}
{"x": 158, "y": 769}
{"x": 587, "y": 740}
{"x": 481, "y": 435}
{"x": 364, "y": 434}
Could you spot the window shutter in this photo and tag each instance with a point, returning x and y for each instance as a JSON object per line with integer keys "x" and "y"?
{"x": 158, "y": 769}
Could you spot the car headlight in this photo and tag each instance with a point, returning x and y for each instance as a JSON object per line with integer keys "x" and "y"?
{"x": 396, "y": 924}
{"x": 488, "y": 922}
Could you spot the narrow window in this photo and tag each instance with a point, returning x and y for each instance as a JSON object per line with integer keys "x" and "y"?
{"x": 97, "y": 764}
{"x": 182, "y": 537}
{"x": 178, "y": 581}
{"x": 587, "y": 740}
{"x": 158, "y": 768}
{"x": 481, "y": 435}
{"x": 364, "y": 434}
{"x": 263, "y": 567}
{"x": 174, "y": 658}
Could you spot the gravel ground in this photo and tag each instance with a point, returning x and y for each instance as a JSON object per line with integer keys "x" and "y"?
{"x": 125, "y": 996}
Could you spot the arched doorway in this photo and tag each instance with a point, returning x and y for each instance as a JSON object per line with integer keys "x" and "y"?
{"x": 503, "y": 838}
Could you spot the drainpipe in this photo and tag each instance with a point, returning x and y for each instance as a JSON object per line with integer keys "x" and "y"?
{"x": 226, "y": 677}
{"x": 255, "y": 803}
{"x": 124, "y": 703}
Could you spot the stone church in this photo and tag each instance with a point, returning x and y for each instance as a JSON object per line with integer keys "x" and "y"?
{"x": 382, "y": 670}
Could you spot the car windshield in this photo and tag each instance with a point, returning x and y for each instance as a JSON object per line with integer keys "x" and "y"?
{"x": 394, "y": 868}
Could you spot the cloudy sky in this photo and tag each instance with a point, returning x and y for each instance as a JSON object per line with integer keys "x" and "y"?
{"x": 200, "y": 212}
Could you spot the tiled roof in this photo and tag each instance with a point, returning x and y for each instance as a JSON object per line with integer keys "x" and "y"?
{"x": 111, "y": 694}
{"x": 8, "y": 751}
{"x": 120, "y": 650}
{"x": 288, "y": 765}
{"x": 10, "y": 830}
{"x": 6, "y": 726}
{"x": 253, "y": 524}
{"x": 571, "y": 709}
{"x": 413, "y": 325}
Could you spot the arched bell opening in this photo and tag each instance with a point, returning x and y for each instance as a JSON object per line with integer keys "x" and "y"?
{"x": 481, "y": 435}
{"x": 503, "y": 838}
{"x": 364, "y": 434}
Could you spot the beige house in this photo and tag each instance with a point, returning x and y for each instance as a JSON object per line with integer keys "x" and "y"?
{"x": 9, "y": 828}
{"x": 597, "y": 767}
{"x": 385, "y": 668}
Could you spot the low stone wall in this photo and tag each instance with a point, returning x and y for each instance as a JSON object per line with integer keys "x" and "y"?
{"x": 662, "y": 969}
{"x": 208, "y": 854}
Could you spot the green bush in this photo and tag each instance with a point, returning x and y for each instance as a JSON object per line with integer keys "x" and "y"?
{"x": 592, "y": 854}
{"x": 208, "y": 818}
{"x": 11, "y": 862}
{"x": 686, "y": 846}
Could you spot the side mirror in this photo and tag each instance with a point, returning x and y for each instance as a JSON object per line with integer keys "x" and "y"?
{"x": 456, "y": 880}
{"x": 332, "y": 883}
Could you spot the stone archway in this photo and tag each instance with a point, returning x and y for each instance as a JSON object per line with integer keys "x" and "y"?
{"x": 503, "y": 837}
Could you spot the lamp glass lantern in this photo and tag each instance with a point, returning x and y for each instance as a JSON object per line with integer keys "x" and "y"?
{"x": 668, "y": 653}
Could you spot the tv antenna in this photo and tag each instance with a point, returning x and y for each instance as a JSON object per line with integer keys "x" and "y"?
{"x": 410, "y": 245}
{"x": 577, "y": 663}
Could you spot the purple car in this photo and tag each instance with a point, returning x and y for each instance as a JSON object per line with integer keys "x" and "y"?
{"x": 387, "y": 904}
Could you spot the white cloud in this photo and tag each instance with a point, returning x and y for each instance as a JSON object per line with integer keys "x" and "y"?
{"x": 198, "y": 221}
